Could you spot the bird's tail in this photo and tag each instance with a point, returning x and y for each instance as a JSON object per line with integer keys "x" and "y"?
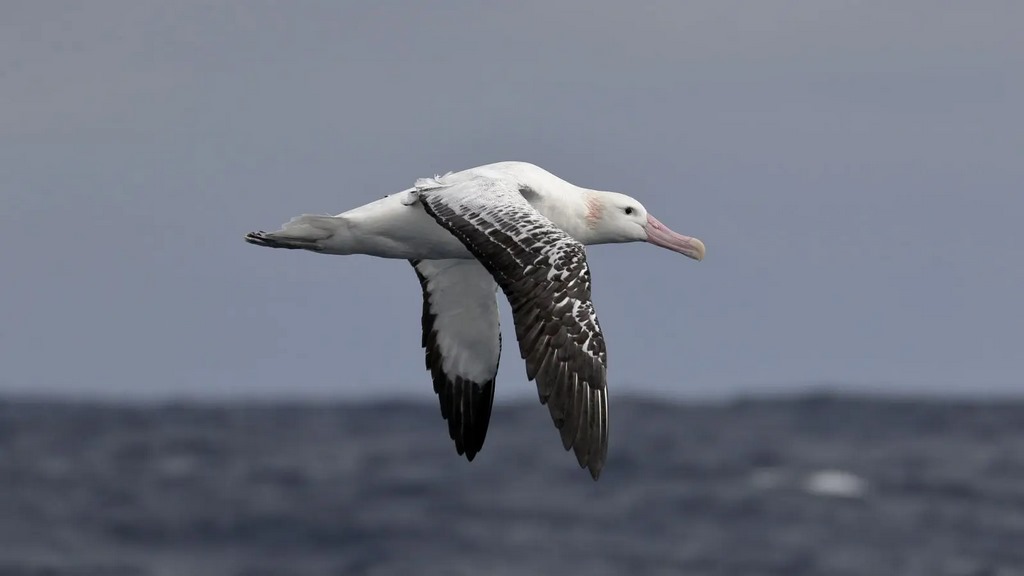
{"x": 306, "y": 232}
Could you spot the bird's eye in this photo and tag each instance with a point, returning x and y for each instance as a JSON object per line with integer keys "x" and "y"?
{"x": 629, "y": 210}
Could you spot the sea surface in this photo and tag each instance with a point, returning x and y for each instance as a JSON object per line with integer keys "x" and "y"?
{"x": 813, "y": 485}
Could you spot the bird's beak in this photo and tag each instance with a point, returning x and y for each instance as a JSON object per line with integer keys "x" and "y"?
{"x": 660, "y": 235}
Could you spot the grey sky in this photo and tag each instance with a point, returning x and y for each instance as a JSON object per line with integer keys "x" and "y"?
{"x": 855, "y": 169}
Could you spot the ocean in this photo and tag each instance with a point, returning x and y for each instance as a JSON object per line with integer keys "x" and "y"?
{"x": 806, "y": 485}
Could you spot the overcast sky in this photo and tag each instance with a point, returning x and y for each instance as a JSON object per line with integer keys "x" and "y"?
{"x": 856, "y": 170}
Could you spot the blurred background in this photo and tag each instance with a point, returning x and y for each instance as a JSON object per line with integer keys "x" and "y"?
{"x": 836, "y": 389}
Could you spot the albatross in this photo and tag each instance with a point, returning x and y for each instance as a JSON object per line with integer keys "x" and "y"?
{"x": 513, "y": 226}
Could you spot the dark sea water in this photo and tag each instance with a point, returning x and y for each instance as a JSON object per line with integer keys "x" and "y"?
{"x": 800, "y": 486}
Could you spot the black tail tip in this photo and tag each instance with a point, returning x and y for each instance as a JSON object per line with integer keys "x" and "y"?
{"x": 262, "y": 238}
{"x": 258, "y": 238}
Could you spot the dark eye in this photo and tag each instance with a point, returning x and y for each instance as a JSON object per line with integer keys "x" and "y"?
{"x": 629, "y": 210}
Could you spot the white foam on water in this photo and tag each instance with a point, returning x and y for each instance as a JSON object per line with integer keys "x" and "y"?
{"x": 835, "y": 484}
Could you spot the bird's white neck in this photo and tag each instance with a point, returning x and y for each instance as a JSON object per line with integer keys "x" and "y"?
{"x": 577, "y": 212}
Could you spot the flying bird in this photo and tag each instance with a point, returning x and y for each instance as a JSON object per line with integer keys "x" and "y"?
{"x": 513, "y": 226}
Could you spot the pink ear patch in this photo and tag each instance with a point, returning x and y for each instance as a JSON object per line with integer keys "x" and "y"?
{"x": 594, "y": 210}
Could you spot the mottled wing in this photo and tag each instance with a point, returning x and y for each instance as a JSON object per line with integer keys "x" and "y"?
{"x": 462, "y": 342}
{"x": 543, "y": 273}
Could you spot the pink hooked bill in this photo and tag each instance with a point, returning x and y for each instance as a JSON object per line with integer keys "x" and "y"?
{"x": 661, "y": 235}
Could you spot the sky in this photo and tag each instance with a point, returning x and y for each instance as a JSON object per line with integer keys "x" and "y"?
{"x": 855, "y": 168}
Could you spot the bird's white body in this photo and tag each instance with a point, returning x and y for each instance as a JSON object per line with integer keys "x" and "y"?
{"x": 513, "y": 226}
{"x": 397, "y": 226}
{"x": 388, "y": 228}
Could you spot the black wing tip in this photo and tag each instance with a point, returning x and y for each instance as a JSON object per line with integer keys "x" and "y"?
{"x": 466, "y": 406}
{"x": 594, "y": 464}
{"x": 581, "y": 418}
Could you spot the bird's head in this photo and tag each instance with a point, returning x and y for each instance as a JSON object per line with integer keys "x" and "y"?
{"x": 615, "y": 217}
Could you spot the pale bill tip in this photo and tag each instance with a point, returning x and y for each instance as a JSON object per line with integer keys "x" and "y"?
{"x": 698, "y": 249}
